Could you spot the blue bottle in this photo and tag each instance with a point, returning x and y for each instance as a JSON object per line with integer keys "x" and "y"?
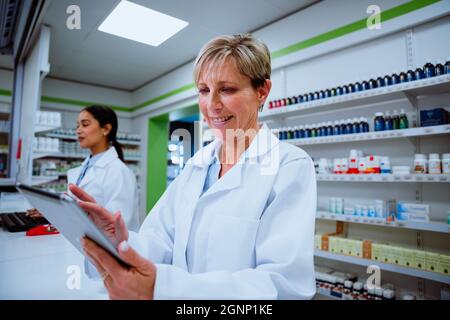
{"x": 305, "y": 98}
{"x": 410, "y": 75}
{"x": 402, "y": 77}
{"x": 336, "y": 128}
{"x": 296, "y": 133}
{"x": 365, "y": 85}
{"x": 302, "y": 132}
{"x": 380, "y": 82}
{"x": 349, "y": 127}
{"x": 379, "y": 123}
{"x": 333, "y": 92}
{"x": 439, "y": 69}
{"x": 343, "y": 126}
{"x": 389, "y": 124}
{"x": 294, "y": 100}
{"x": 428, "y": 69}
{"x": 372, "y": 83}
{"x": 327, "y": 93}
{"x": 358, "y": 86}
{"x": 356, "y": 127}
{"x": 419, "y": 74}
{"x": 329, "y": 129}
{"x": 308, "y": 132}
{"x": 395, "y": 78}
{"x": 339, "y": 91}
{"x": 351, "y": 88}
{"x": 345, "y": 89}
{"x": 321, "y": 94}
{"x": 316, "y": 95}
{"x": 447, "y": 66}
{"x": 299, "y": 98}
{"x": 310, "y": 96}
{"x": 365, "y": 125}
{"x": 387, "y": 80}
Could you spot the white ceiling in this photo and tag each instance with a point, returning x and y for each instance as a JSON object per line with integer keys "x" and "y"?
{"x": 94, "y": 57}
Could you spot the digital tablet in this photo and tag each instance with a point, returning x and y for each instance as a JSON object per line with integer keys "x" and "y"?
{"x": 71, "y": 221}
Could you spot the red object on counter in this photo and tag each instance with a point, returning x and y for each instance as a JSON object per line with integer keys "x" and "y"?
{"x": 42, "y": 230}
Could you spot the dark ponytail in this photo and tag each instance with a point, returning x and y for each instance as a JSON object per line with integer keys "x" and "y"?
{"x": 105, "y": 115}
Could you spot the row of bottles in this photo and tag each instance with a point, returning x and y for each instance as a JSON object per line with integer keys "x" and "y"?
{"x": 428, "y": 71}
{"x": 387, "y": 122}
{"x": 323, "y": 129}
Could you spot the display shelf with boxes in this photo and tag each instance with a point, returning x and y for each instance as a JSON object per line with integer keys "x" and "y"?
{"x": 124, "y": 138}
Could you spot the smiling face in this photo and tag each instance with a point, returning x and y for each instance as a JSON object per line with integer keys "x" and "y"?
{"x": 228, "y": 100}
{"x": 90, "y": 134}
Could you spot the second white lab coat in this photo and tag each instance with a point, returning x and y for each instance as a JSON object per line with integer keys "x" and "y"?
{"x": 261, "y": 240}
{"x": 112, "y": 184}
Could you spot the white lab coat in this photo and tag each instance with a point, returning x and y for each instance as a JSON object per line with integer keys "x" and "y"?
{"x": 112, "y": 184}
{"x": 261, "y": 241}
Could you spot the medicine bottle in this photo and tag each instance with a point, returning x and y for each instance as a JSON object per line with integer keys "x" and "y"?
{"x": 446, "y": 163}
{"x": 379, "y": 122}
{"x": 420, "y": 164}
{"x": 434, "y": 164}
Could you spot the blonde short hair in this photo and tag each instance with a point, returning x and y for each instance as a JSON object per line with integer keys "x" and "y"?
{"x": 252, "y": 57}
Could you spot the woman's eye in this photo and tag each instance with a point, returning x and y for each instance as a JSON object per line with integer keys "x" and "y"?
{"x": 228, "y": 90}
{"x": 203, "y": 90}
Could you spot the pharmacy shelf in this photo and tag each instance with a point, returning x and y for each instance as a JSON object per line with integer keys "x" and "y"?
{"x": 74, "y": 138}
{"x": 436, "y": 178}
{"x": 426, "y": 226}
{"x": 40, "y": 180}
{"x": 37, "y": 155}
{"x": 384, "y": 266}
{"x": 43, "y": 128}
{"x": 435, "y": 85}
{"x": 380, "y": 135}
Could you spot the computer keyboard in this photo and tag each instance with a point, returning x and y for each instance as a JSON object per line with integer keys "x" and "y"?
{"x": 19, "y": 221}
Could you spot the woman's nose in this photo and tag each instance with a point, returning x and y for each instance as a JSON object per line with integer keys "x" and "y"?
{"x": 214, "y": 102}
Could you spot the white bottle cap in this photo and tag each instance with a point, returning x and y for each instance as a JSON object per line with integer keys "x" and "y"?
{"x": 419, "y": 156}
{"x": 434, "y": 156}
{"x": 446, "y": 156}
{"x": 378, "y": 114}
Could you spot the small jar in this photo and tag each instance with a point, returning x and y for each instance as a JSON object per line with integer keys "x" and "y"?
{"x": 434, "y": 164}
{"x": 420, "y": 164}
{"x": 446, "y": 163}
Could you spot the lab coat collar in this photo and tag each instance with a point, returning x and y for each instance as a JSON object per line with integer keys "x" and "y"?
{"x": 263, "y": 142}
{"x": 107, "y": 157}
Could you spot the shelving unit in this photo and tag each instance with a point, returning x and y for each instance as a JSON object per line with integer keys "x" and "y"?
{"x": 37, "y": 155}
{"x": 423, "y": 178}
{"x": 408, "y": 90}
{"x": 413, "y": 225}
{"x": 379, "y": 135}
{"x": 74, "y": 138}
{"x": 384, "y": 266}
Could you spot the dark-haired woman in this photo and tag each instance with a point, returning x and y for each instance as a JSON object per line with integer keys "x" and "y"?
{"x": 103, "y": 174}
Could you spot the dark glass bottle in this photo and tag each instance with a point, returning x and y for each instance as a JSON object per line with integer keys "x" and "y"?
{"x": 299, "y": 98}
{"x": 329, "y": 128}
{"x": 395, "y": 78}
{"x": 410, "y": 75}
{"x": 308, "y": 132}
{"x": 372, "y": 83}
{"x": 288, "y": 101}
{"x": 310, "y": 96}
{"x": 365, "y": 85}
{"x": 428, "y": 69}
{"x": 333, "y": 92}
{"x": 387, "y": 80}
{"x": 302, "y": 132}
{"x": 395, "y": 120}
{"x": 345, "y": 89}
{"x": 358, "y": 86}
{"x": 419, "y": 74}
{"x": 388, "y": 121}
{"x": 403, "y": 121}
{"x": 356, "y": 127}
{"x": 379, "y": 123}
{"x": 327, "y": 93}
{"x": 447, "y": 66}
{"x": 305, "y": 98}
{"x": 296, "y": 133}
{"x": 402, "y": 77}
{"x": 321, "y": 94}
{"x": 313, "y": 131}
{"x": 336, "y": 128}
{"x": 316, "y": 95}
{"x": 439, "y": 69}
{"x": 339, "y": 91}
{"x": 380, "y": 82}
{"x": 351, "y": 88}
{"x": 348, "y": 126}
{"x": 294, "y": 100}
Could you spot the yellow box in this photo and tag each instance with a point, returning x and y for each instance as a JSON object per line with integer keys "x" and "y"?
{"x": 395, "y": 254}
{"x": 376, "y": 251}
{"x": 347, "y": 246}
{"x": 318, "y": 241}
{"x": 385, "y": 253}
{"x": 420, "y": 259}
{"x": 407, "y": 257}
{"x": 432, "y": 261}
{"x": 444, "y": 264}
{"x": 332, "y": 244}
{"x": 341, "y": 244}
{"x": 358, "y": 248}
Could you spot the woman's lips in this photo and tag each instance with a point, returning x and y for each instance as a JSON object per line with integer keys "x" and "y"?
{"x": 221, "y": 121}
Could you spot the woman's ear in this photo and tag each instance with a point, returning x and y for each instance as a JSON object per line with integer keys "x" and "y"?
{"x": 107, "y": 129}
{"x": 264, "y": 90}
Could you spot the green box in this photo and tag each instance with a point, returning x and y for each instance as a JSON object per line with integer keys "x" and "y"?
{"x": 332, "y": 244}
{"x": 432, "y": 261}
{"x": 407, "y": 257}
{"x": 376, "y": 251}
{"x": 385, "y": 253}
{"x": 395, "y": 255}
{"x": 444, "y": 264}
{"x": 420, "y": 259}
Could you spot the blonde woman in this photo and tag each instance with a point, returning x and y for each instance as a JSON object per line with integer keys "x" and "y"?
{"x": 238, "y": 223}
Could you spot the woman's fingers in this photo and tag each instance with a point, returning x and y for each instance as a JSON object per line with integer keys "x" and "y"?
{"x": 120, "y": 227}
{"x": 80, "y": 193}
{"x": 97, "y": 212}
{"x": 101, "y": 258}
